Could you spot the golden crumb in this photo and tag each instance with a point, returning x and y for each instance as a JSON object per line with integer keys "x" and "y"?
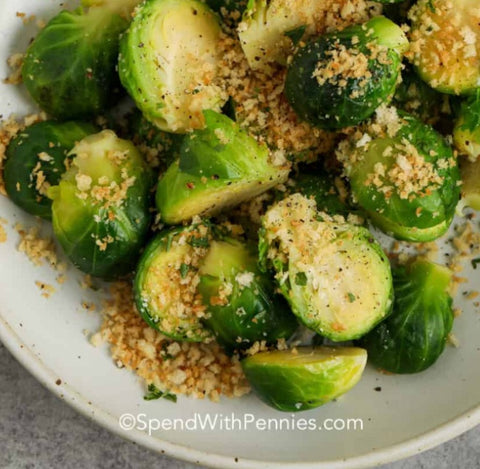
{"x": 15, "y": 63}
{"x": 3, "y": 233}
{"x": 195, "y": 369}
{"x": 46, "y": 289}
{"x": 37, "y": 248}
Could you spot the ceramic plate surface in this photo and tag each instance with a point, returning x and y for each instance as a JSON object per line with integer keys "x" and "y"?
{"x": 49, "y": 337}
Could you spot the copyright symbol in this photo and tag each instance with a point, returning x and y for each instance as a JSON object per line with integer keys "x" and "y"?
{"x": 127, "y": 422}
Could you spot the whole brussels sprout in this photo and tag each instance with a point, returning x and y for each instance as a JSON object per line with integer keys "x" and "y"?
{"x": 339, "y": 79}
{"x": 69, "y": 69}
{"x": 321, "y": 268}
{"x": 100, "y": 208}
{"x": 36, "y": 160}
{"x": 219, "y": 167}
{"x": 445, "y": 44}
{"x": 166, "y": 282}
{"x": 404, "y": 176}
{"x": 414, "y": 336}
{"x": 304, "y": 378}
{"x": 466, "y": 134}
{"x": 168, "y": 61}
{"x": 240, "y": 300}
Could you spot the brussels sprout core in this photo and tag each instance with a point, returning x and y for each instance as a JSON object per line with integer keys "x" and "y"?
{"x": 239, "y": 298}
{"x": 446, "y": 44}
{"x": 169, "y": 60}
{"x": 304, "y": 378}
{"x": 219, "y": 167}
{"x": 100, "y": 207}
{"x": 321, "y": 266}
{"x": 167, "y": 279}
{"x": 414, "y": 336}
{"x": 340, "y": 79}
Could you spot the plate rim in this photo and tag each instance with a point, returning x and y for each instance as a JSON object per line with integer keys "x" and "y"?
{"x": 47, "y": 377}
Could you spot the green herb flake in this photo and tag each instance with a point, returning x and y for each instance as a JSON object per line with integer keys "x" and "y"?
{"x": 155, "y": 393}
{"x": 201, "y": 242}
{"x": 351, "y": 297}
{"x": 184, "y": 268}
{"x": 300, "y": 279}
{"x": 475, "y": 262}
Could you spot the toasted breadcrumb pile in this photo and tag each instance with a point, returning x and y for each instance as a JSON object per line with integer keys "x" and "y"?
{"x": 15, "y": 63}
{"x": 195, "y": 369}
{"x": 8, "y": 130}
{"x": 46, "y": 289}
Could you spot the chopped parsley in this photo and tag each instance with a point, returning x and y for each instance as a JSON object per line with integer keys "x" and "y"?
{"x": 184, "y": 268}
{"x": 351, "y": 297}
{"x": 155, "y": 393}
{"x": 301, "y": 279}
{"x": 475, "y": 262}
{"x": 200, "y": 242}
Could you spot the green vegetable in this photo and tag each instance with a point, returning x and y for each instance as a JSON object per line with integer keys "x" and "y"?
{"x": 339, "y": 79}
{"x": 466, "y": 134}
{"x": 321, "y": 268}
{"x": 396, "y": 11}
{"x": 306, "y": 379}
{"x": 414, "y": 336}
{"x": 100, "y": 208}
{"x": 36, "y": 160}
{"x": 322, "y": 187}
{"x": 165, "y": 291}
{"x": 239, "y": 298}
{"x": 168, "y": 61}
{"x": 219, "y": 167}
{"x": 445, "y": 39}
{"x": 230, "y": 10}
{"x": 471, "y": 183}
{"x": 69, "y": 69}
{"x": 155, "y": 393}
{"x": 404, "y": 176}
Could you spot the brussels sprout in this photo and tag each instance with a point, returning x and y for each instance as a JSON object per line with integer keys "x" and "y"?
{"x": 414, "y": 336}
{"x": 161, "y": 148}
{"x": 321, "y": 266}
{"x": 414, "y": 96}
{"x": 69, "y": 69}
{"x": 168, "y": 61}
{"x": 340, "y": 79}
{"x": 471, "y": 183}
{"x": 304, "y": 378}
{"x": 36, "y": 161}
{"x": 100, "y": 208}
{"x": 219, "y": 166}
{"x": 240, "y": 299}
{"x": 321, "y": 187}
{"x": 466, "y": 134}
{"x": 122, "y": 7}
{"x": 166, "y": 282}
{"x": 406, "y": 178}
{"x": 445, "y": 44}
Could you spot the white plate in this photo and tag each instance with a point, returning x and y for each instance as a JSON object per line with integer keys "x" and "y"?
{"x": 410, "y": 414}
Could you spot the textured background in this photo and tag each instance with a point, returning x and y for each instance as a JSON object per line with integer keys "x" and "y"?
{"x": 37, "y": 430}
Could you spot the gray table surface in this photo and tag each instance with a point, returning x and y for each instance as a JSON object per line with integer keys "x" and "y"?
{"x": 37, "y": 430}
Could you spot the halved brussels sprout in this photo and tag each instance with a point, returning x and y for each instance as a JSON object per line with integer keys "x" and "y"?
{"x": 100, "y": 208}
{"x": 241, "y": 304}
{"x": 306, "y": 377}
{"x": 471, "y": 183}
{"x": 122, "y": 7}
{"x": 404, "y": 176}
{"x": 36, "y": 160}
{"x": 321, "y": 268}
{"x": 339, "y": 79}
{"x": 219, "y": 166}
{"x": 466, "y": 134}
{"x": 445, "y": 44}
{"x": 414, "y": 336}
{"x": 168, "y": 62}
{"x": 69, "y": 69}
{"x": 166, "y": 282}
